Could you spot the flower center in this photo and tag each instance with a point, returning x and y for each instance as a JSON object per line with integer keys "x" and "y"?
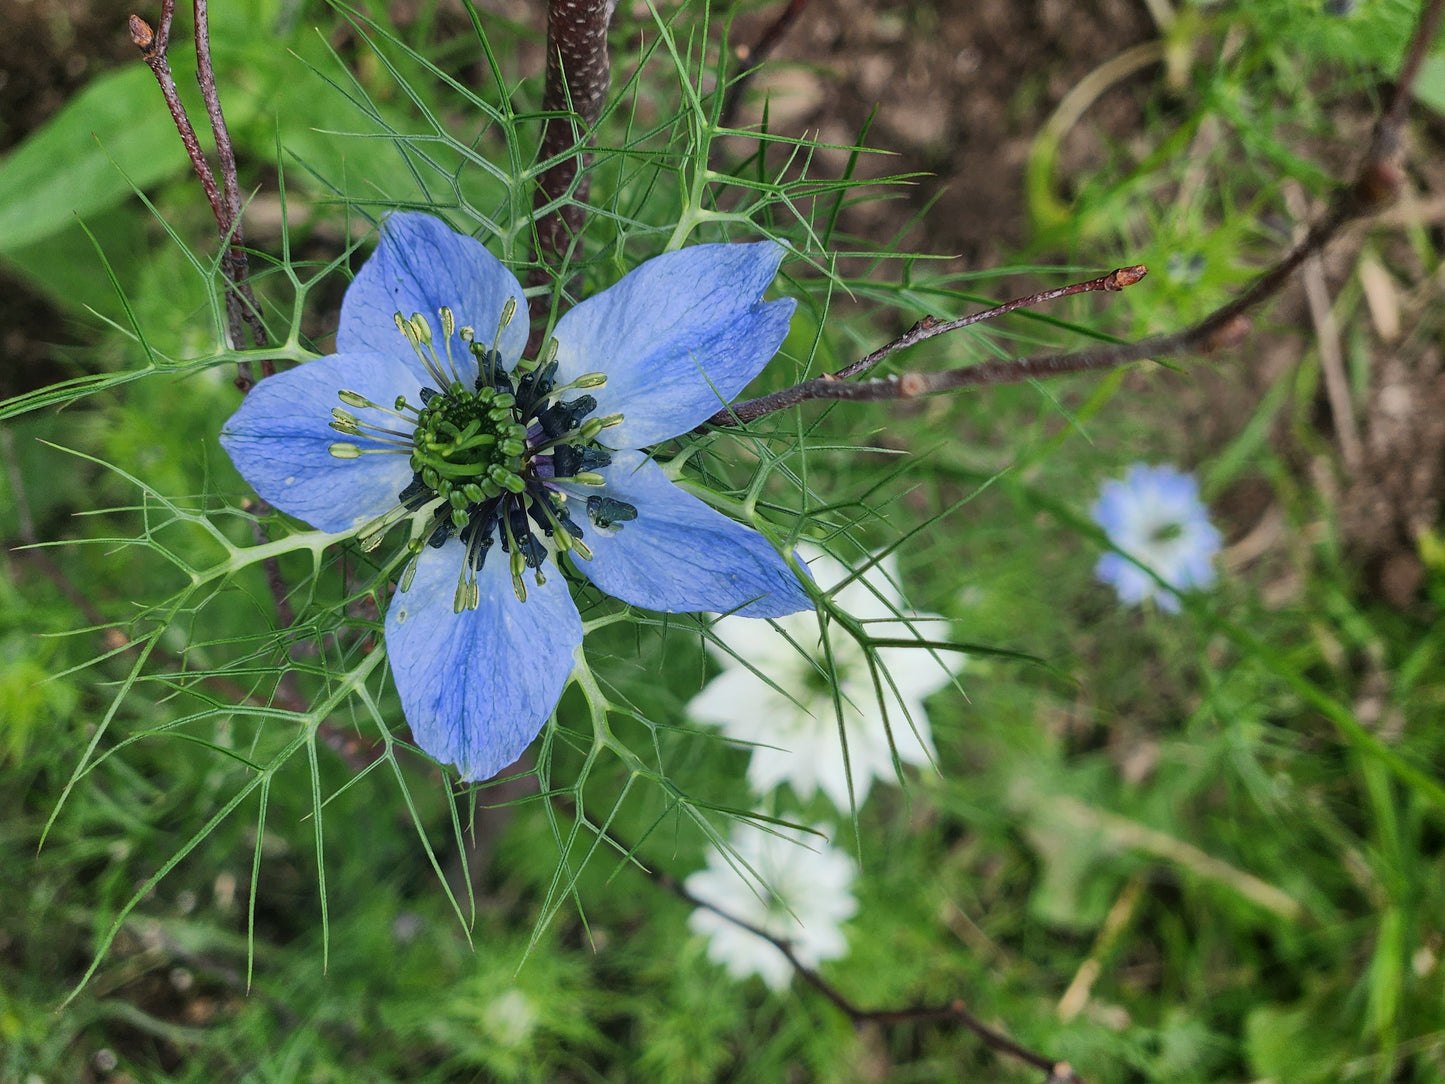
{"x": 488, "y": 457}
{"x": 1162, "y": 533}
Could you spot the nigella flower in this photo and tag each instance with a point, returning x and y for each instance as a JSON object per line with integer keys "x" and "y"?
{"x": 776, "y": 689}
{"x": 1156, "y": 517}
{"x": 802, "y": 894}
{"x": 509, "y": 470}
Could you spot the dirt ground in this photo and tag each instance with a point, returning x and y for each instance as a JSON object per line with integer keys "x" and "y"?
{"x": 960, "y": 91}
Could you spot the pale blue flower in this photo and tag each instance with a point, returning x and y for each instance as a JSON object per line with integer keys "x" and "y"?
{"x": 424, "y": 415}
{"x": 1155, "y": 516}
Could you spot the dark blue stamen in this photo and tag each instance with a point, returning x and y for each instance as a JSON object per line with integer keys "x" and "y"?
{"x": 605, "y": 511}
{"x": 477, "y": 534}
{"x": 415, "y": 495}
{"x": 528, "y": 546}
{"x": 428, "y": 394}
{"x": 438, "y": 538}
{"x": 489, "y": 367}
{"x": 535, "y": 386}
{"x": 538, "y": 511}
{"x": 568, "y": 459}
{"x": 559, "y": 419}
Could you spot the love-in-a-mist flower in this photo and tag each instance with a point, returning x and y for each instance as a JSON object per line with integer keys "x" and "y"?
{"x": 507, "y": 469}
{"x": 776, "y": 688}
{"x": 802, "y": 894}
{"x": 1156, "y": 517}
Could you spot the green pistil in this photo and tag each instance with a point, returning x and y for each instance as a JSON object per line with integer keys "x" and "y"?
{"x": 475, "y": 474}
{"x": 470, "y": 446}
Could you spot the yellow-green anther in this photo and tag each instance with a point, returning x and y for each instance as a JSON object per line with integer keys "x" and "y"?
{"x": 342, "y": 450}
{"x": 474, "y": 493}
{"x": 401, "y": 325}
{"x": 467, "y": 334}
{"x": 509, "y": 310}
{"x": 371, "y": 533}
{"x": 590, "y": 429}
{"x": 511, "y": 447}
{"x": 580, "y": 548}
{"x": 343, "y": 427}
{"x": 549, "y": 351}
{"x": 588, "y": 478}
{"x": 459, "y": 518}
{"x": 458, "y": 498}
{"x": 400, "y": 403}
{"x": 610, "y": 420}
{"x": 407, "y": 574}
{"x": 459, "y": 597}
{"x": 518, "y": 566}
{"x": 345, "y": 417}
{"x": 420, "y": 328}
{"x": 449, "y": 322}
{"x": 590, "y": 380}
{"x": 354, "y": 399}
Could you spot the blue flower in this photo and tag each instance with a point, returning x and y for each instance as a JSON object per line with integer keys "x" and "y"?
{"x": 1155, "y": 517}
{"x": 425, "y": 414}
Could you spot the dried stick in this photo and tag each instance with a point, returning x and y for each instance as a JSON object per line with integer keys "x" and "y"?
{"x": 753, "y": 56}
{"x": 954, "y": 1011}
{"x": 579, "y": 69}
{"x": 1376, "y": 182}
{"x": 239, "y": 269}
{"x": 241, "y": 306}
{"x": 927, "y": 328}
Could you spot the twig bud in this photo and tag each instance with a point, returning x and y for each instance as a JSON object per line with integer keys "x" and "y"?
{"x": 1125, "y": 277}
{"x": 142, "y": 34}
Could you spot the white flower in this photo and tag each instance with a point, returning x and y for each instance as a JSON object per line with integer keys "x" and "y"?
{"x": 804, "y": 895}
{"x": 774, "y": 691}
{"x": 1156, "y": 517}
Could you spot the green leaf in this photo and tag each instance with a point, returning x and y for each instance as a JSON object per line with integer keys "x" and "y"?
{"x": 1294, "y": 1045}
{"x": 1430, "y": 86}
{"x": 78, "y": 162}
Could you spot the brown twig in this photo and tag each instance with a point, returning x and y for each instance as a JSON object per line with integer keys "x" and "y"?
{"x": 954, "y": 1011}
{"x": 241, "y": 307}
{"x": 927, "y": 328}
{"x": 752, "y": 58}
{"x": 1375, "y": 183}
{"x": 1119, "y": 279}
{"x": 232, "y": 235}
{"x": 579, "y": 69}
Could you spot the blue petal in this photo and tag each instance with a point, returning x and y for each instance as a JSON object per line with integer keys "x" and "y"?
{"x": 420, "y": 265}
{"x": 680, "y": 556}
{"x": 677, "y": 338}
{"x": 478, "y": 686}
{"x": 279, "y": 438}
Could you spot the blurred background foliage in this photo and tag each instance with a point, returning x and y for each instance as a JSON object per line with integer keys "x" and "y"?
{"x": 1194, "y": 848}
